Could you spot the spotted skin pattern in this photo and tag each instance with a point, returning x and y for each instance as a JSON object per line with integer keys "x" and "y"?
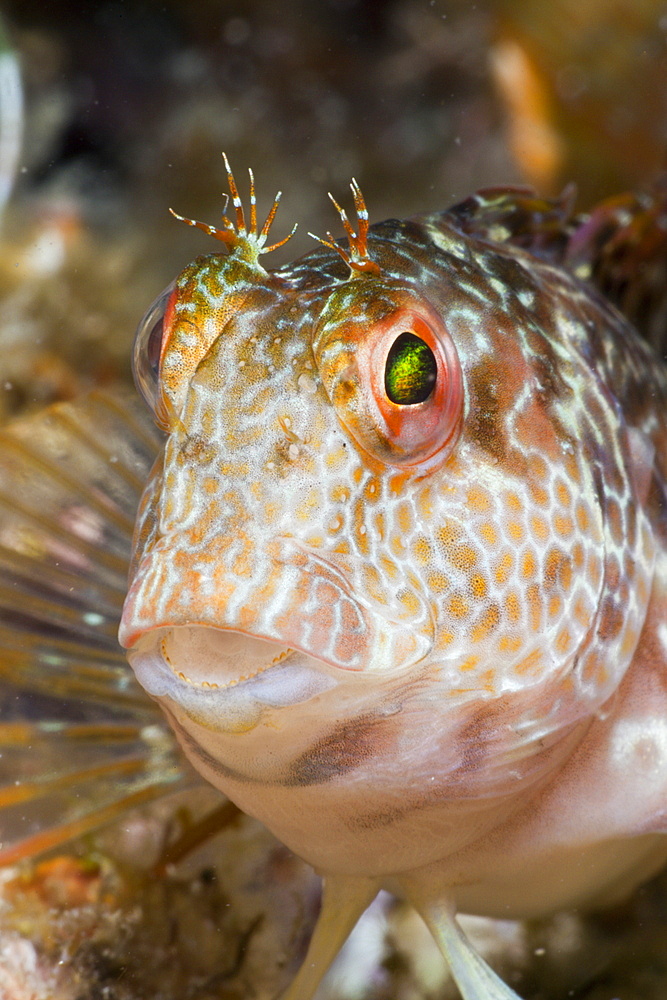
{"x": 459, "y": 599}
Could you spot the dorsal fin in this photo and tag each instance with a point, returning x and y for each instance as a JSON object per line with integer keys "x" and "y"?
{"x": 620, "y": 246}
{"x": 518, "y": 215}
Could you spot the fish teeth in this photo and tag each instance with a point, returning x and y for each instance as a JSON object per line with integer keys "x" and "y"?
{"x": 212, "y": 684}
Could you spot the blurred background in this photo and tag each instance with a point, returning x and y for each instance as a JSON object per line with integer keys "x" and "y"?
{"x": 110, "y": 112}
{"x": 126, "y": 107}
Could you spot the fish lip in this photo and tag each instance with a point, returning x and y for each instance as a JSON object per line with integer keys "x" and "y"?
{"x": 289, "y": 676}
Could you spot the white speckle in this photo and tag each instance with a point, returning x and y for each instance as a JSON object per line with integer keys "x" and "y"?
{"x": 270, "y": 466}
{"x": 306, "y": 383}
{"x": 639, "y": 747}
{"x": 113, "y": 459}
{"x": 93, "y": 618}
{"x": 278, "y": 340}
{"x": 241, "y": 364}
{"x": 293, "y": 451}
{"x": 287, "y": 421}
{"x": 9, "y": 385}
{"x": 362, "y": 529}
{"x": 662, "y": 636}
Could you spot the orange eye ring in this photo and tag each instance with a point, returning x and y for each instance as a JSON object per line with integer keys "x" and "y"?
{"x": 414, "y": 432}
{"x": 352, "y": 345}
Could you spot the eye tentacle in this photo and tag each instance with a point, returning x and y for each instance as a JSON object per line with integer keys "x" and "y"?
{"x": 357, "y": 256}
{"x": 243, "y": 240}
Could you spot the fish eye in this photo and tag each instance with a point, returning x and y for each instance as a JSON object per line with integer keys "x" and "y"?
{"x": 148, "y": 343}
{"x": 410, "y": 371}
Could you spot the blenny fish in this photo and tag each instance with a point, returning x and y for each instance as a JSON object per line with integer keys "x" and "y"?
{"x": 399, "y": 570}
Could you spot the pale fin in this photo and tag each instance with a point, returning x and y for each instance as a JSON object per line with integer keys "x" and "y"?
{"x": 475, "y": 979}
{"x": 79, "y": 740}
{"x": 344, "y": 899}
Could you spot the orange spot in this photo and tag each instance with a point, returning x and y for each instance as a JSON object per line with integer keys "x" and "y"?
{"x": 572, "y": 469}
{"x": 340, "y": 494}
{"x": 449, "y": 533}
{"x": 359, "y": 528}
{"x": 563, "y": 494}
{"x": 515, "y": 530}
{"x": 565, "y": 572}
{"x": 534, "y": 606}
{"x": 554, "y": 606}
{"x": 478, "y": 499}
{"x": 488, "y": 681}
{"x": 372, "y": 491}
{"x": 563, "y": 525}
{"x": 578, "y": 555}
{"x": 470, "y": 663}
{"x": 581, "y": 611}
{"x": 445, "y": 639}
{"x": 513, "y": 502}
{"x": 422, "y": 551}
{"x": 410, "y": 602}
{"x": 529, "y": 664}
{"x": 478, "y": 585}
{"x": 594, "y": 671}
{"x": 510, "y": 644}
{"x": 528, "y": 565}
{"x": 458, "y": 606}
{"x": 563, "y": 641}
{"x": 397, "y": 483}
{"x": 389, "y": 567}
{"x": 373, "y": 584}
{"x": 404, "y": 518}
{"x": 463, "y": 557}
{"x": 504, "y": 569}
{"x": 490, "y": 620}
{"x": 488, "y": 533}
{"x": 538, "y": 494}
{"x": 538, "y": 467}
{"x": 437, "y": 582}
{"x": 425, "y": 504}
{"x": 513, "y": 607}
{"x": 540, "y": 528}
{"x": 629, "y": 641}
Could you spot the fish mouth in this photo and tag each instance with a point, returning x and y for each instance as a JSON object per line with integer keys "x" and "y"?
{"x": 189, "y": 662}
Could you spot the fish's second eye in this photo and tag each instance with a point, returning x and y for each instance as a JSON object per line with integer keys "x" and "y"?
{"x": 148, "y": 346}
{"x": 410, "y": 371}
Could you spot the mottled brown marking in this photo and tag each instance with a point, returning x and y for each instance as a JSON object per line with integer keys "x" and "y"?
{"x": 485, "y": 421}
{"x": 343, "y": 750}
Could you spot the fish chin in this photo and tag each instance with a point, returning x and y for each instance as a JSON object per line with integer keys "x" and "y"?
{"x": 204, "y": 669}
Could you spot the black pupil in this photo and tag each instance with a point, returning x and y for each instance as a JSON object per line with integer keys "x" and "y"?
{"x": 411, "y": 370}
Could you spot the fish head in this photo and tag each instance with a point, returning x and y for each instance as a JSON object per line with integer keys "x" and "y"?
{"x": 376, "y": 544}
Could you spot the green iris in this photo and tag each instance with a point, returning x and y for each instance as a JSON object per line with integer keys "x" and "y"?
{"x": 411, "y": 370}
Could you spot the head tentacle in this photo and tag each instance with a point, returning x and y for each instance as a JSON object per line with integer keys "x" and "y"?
{"x": 356, "y": 257}
{"x": 238, "y": 236}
